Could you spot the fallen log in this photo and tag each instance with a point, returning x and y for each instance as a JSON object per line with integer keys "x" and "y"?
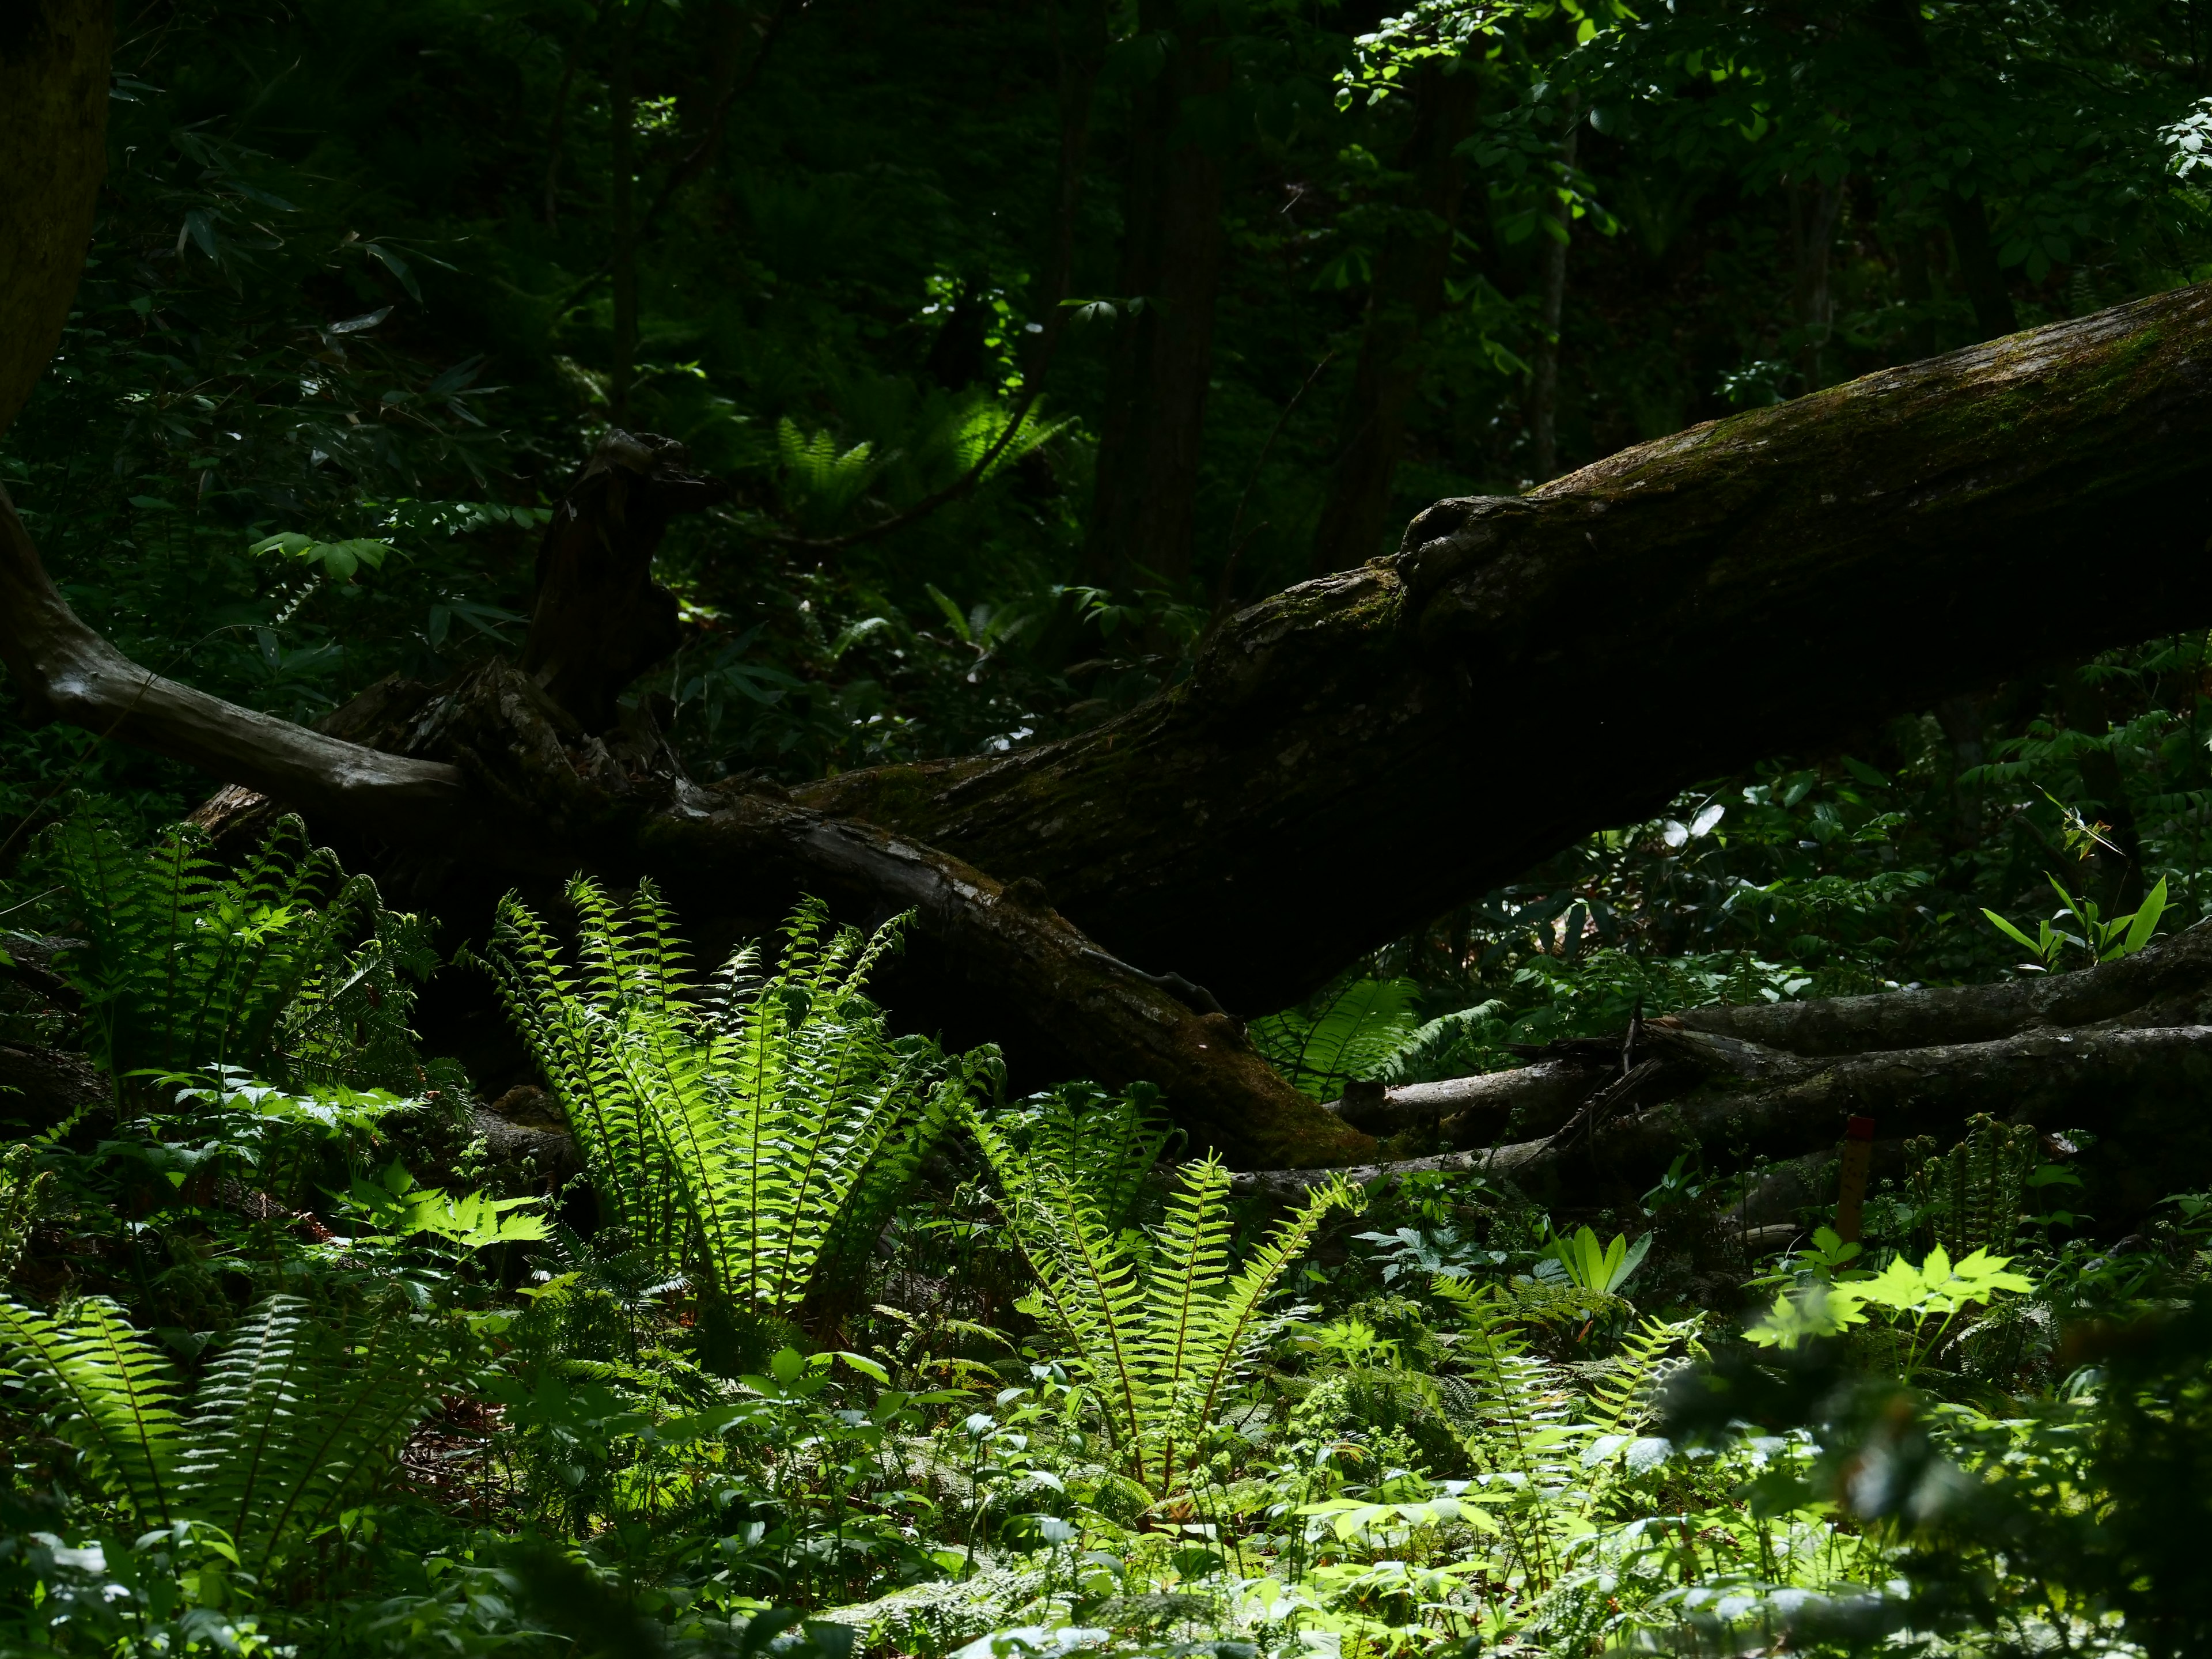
{"x": 1329, "y": 776}
{"x": 1341, "y": 767}
{"x": 2117, "y": 1057}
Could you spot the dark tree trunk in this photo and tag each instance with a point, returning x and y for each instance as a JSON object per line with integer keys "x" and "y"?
{"x": 1813, "y": 208}
{"x": 1163, "y": 354}
{"x": 53, "y": 130}
{"x": 1408, "y": 294}
{"x": 1552, "y": 313}
{"x": 622, "y": 115}
{"x": 1330, "y": 776}
{"x": 1355, "y": 756}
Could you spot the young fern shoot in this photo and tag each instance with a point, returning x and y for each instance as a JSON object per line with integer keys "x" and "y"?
{"x": 729, "y": 1133}
{"x": 1159, "y": 1323}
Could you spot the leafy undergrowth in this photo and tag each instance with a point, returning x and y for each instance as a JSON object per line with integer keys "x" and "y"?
{"x": 829, "y": 1347}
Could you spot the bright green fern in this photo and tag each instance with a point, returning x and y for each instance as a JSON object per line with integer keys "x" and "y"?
{"x": 1348, "y": 1032}
{"x": 727, "y": 1133}
{"x": 1160, "y": 1324}
{"x": 299, "y": 1417}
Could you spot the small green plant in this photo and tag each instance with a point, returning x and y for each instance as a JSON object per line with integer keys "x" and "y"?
{"x": 1159, "y": 1322}
{"x": 729, "y": 1136}
{"x": 1600, "y": 1269}
{"x": 2103, "y": 940}
{"x": 1923, "y": 1301}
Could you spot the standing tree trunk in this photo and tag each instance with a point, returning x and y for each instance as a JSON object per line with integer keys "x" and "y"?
{"x": 53, "y": 130}
{"x": 1171, "y": 255}
{"x": 1544, "y": 387}
{"x": 1813, "y": 208}
{"x": 1408, "y": 295}
{"x": 622, "y": 99}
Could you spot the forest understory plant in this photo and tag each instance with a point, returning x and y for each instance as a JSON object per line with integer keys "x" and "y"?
{"x": 746, "y": 1137}
{"x": 1160, "y": 1322}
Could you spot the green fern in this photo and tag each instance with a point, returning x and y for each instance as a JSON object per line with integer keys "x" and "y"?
{"x": 726, "y": 1133}
{"x": 112, "y": 1393}
{"x": 1349, "y": 1032}
{"x": 1549, "y": 1459}
{"x": 822, "y": 484}
{"x": 299, "y": 1420}
{"x": 1159, "y": 1324}
{"x": 1969, "y": 1198}
{"x": 189, "y": 967}
{"x": 299, "y": 1417}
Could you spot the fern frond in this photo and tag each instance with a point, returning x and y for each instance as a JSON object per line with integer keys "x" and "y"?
{"x": 728, "y": 1133}
{"x": 1160, "y": 1325}
{"x": 317, "y": 1411}
{"x": 111, "y": 1391}
{"x": 1621, "y": 1400}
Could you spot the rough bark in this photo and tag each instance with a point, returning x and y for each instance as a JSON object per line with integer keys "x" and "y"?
{"x": 1319, "y": 785}
{"x": 1342, "y": 764}
{"x": 2123, "y": 1051}
{"x": 619, "y": 803}
{"x": 1779, "y": 575}
{"x": 498, "y": 774}
{"x": 53, "y": 130}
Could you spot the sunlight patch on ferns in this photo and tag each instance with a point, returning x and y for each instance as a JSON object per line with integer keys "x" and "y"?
{"x": 1161, "y": 1325}
{"x": 299, "y": 1417}
{"x": 286, "y": 968}
{"x": 743, "y": 1137}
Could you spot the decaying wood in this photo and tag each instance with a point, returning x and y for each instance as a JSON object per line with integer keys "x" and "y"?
{"x": 600, "y": 620}
{"x": 1005, "y": 946}
{"x": 2121, "y": 1051}
{"x": 63, "y": 671}
{"x": 1353, "y": 757}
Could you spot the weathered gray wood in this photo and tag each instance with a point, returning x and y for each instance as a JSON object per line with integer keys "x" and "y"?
{"x": 63, "y": 671}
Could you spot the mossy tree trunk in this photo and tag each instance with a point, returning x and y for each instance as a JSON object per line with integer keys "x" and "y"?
{"x": 1355, "y": 756}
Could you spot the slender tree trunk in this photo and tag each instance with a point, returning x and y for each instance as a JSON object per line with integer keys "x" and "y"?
{"x": 1408, "y": 294}
{"x": 560, "y": 130}
{"x": 1544, "y": 388}
{"x": 1900, "y": 24}
{"x": 1908, "y": 247}
{"x": 1079, "y": 45}
{"x": 1978, "y": 274}
{"x": 1170, "y": 274}
{"x": 622, "y": 99}
{"x": 1813, "y": 209}
{"x": 53, "y": 130}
